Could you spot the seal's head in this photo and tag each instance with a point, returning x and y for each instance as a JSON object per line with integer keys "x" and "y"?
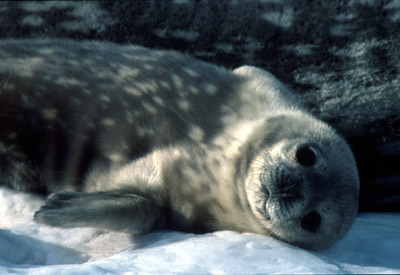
{"x": 302, "y": 182}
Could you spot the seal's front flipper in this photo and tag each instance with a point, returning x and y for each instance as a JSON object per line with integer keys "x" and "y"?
{"x": 109, "y": 210}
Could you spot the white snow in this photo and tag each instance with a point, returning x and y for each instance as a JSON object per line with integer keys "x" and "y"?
{"x": 371, "y": 246}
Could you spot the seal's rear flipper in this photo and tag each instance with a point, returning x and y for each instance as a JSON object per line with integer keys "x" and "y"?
{"x": 108, "y": 210}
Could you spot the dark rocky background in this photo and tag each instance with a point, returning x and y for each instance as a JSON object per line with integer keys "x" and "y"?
{"x": 342, "y": 57}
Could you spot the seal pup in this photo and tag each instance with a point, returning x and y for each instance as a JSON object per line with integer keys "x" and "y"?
{"x": 131, "y": 139}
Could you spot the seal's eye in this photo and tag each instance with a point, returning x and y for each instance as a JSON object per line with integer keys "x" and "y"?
{"x": 311, "y": 221}
{"x": 306, "y": 156}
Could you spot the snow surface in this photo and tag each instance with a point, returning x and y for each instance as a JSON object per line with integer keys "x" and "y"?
{"x": 372, "y": 246}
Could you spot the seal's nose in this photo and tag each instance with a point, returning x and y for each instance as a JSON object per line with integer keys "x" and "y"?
{"x": 311, "y": 221}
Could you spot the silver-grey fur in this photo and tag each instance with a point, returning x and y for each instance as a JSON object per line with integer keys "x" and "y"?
{"x": 127, "y": 138}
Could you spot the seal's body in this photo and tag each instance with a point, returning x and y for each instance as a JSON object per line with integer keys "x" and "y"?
{"x": 133, "y": 139}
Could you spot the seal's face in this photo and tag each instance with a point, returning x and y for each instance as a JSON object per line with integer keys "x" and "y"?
{"x": 303, "y": 187}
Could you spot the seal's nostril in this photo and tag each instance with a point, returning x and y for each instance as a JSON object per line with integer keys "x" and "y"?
{"x": 311, "y": 221}
{"x": 306, "y": 156}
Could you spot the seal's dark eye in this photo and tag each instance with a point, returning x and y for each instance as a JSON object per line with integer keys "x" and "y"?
{"x": 306, "y": 156}
{"x": 311, "y": 221}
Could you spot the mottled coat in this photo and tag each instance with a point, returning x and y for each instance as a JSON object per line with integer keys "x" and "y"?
{"x": 144, "y": 139}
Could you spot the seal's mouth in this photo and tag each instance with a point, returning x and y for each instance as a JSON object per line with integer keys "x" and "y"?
{"x": 266, "y": 195}
{"x": 283, "y": 199}
{"x": 266, "y": 192}
{"x": 280, "y": 185}
{"x": 284, "y": 202}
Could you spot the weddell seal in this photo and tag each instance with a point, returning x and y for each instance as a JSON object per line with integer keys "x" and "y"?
{"x": 131, "y": 139}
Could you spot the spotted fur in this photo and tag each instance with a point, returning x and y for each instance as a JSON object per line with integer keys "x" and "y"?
{"x": 132, "y": 139}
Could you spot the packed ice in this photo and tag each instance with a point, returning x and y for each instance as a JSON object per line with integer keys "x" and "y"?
{"x": 371, "y": 246}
